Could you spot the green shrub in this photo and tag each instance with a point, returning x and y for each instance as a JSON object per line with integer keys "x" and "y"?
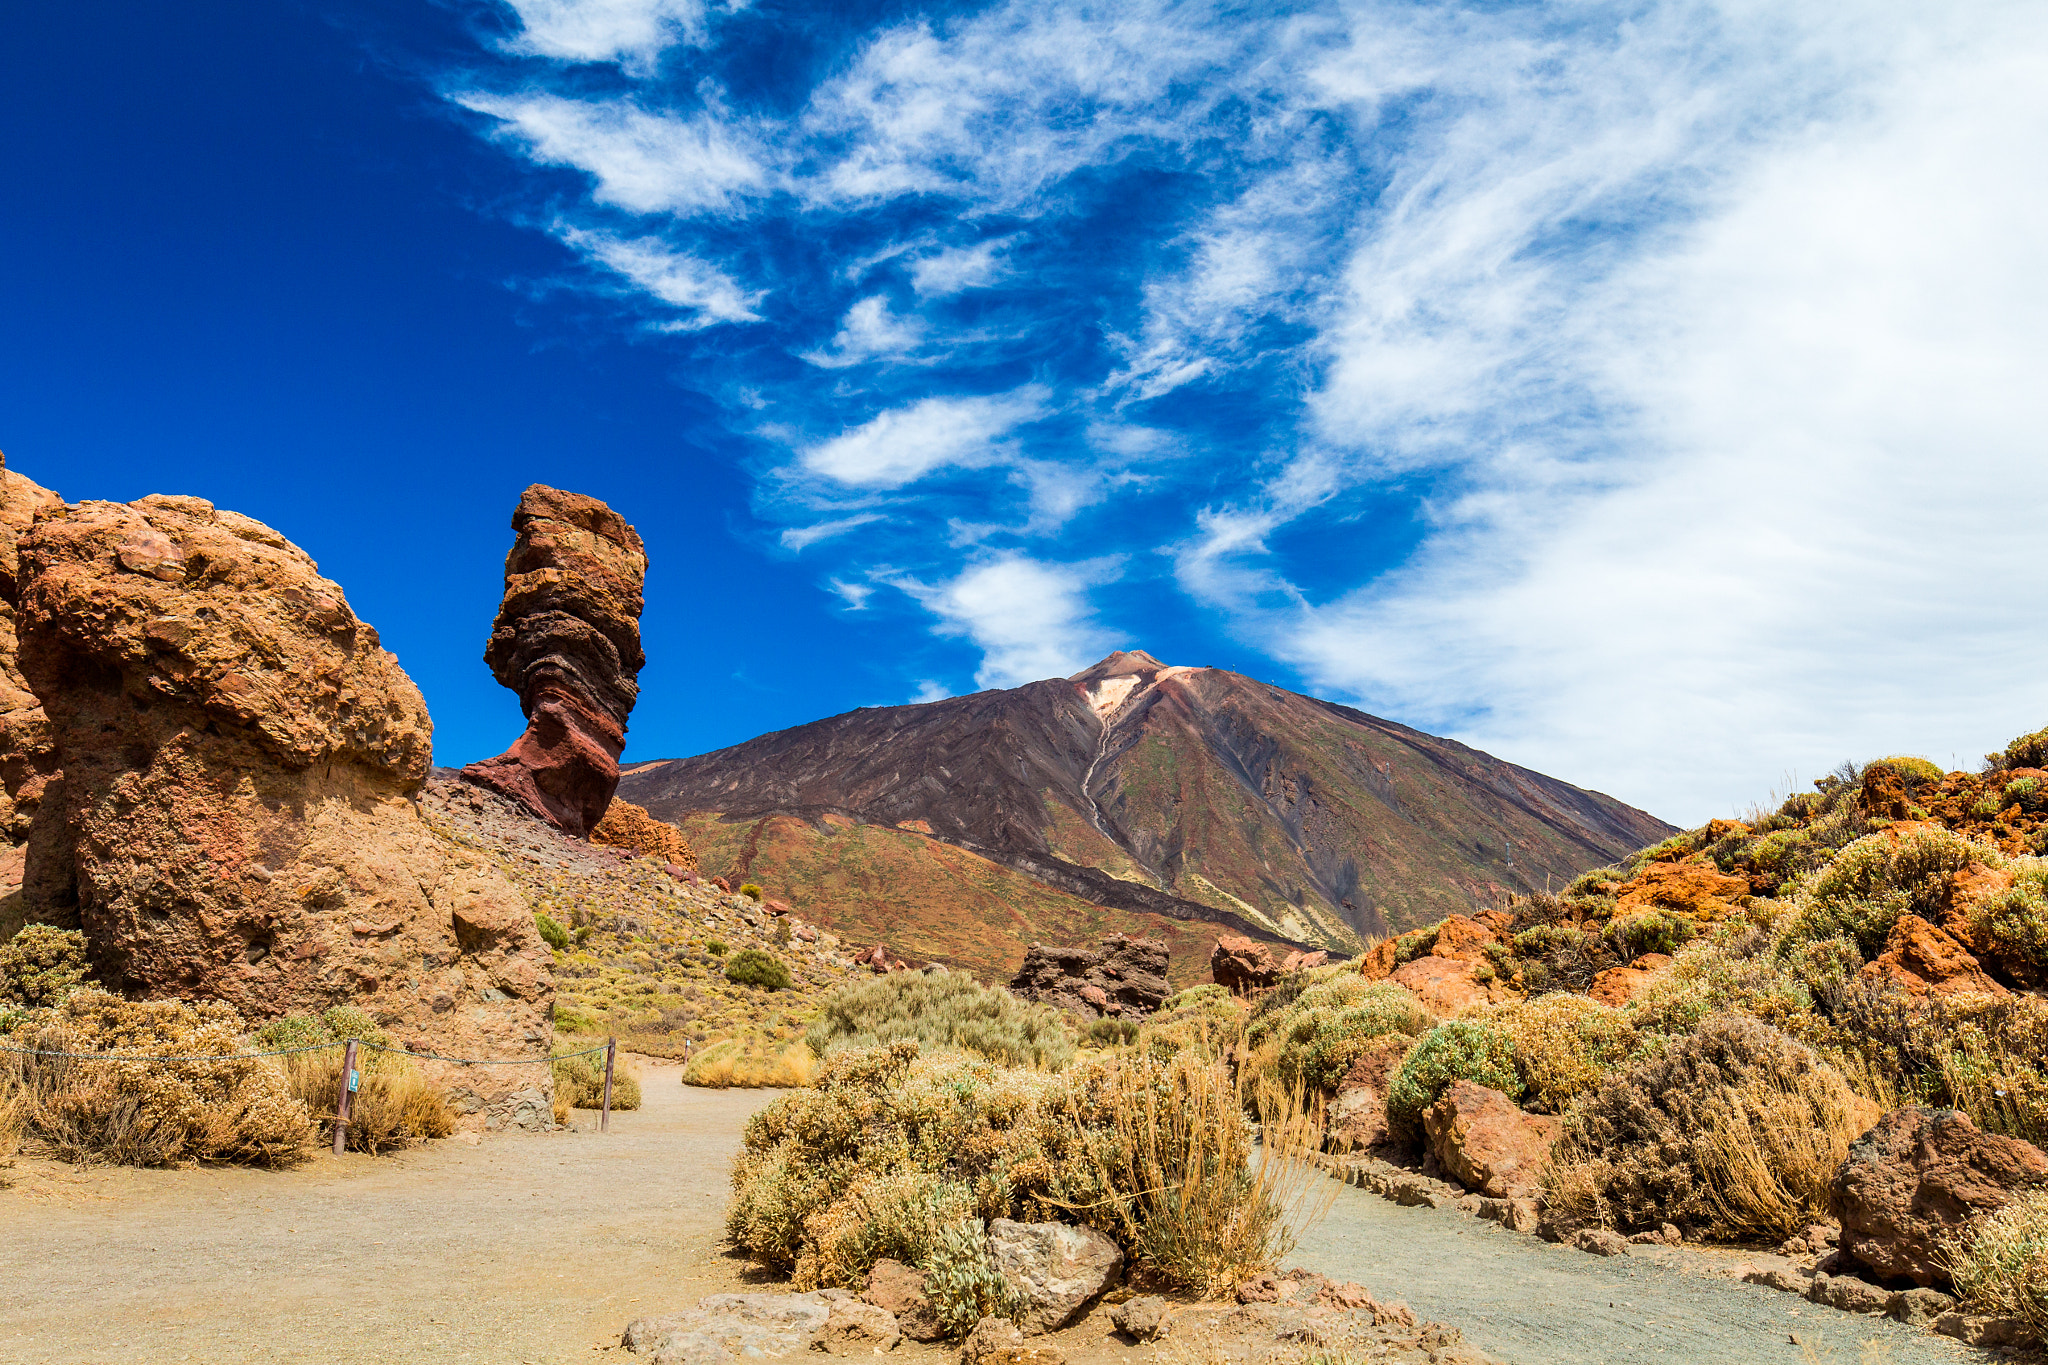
{"x": 950, "y": 1010}
{"x": 1311, "y": 1044}
{"x": 751, "y": 891}
{"x": 41, "y": 966}
{"x": 554, "y": 934}
{"x": 715, "y": 948}
{"x": 334, "y": 1025}
{"x": 2028, "y": 751}
{"x": 1984, "y": 1055}
{"x": 2024, "y": 792}
{"x": 752, "y": 967}
{"x": 1564, "y": 1045}
{"x": 750, "y": 1062}
{"x": 1110, "y": 1032}
{"x": 1649, "y": 931}
{"x": 1861, "y": 893}
{"x": 1707, "y": 979}
{"x": 1461, "y": 1050}
{"x": 1207, "y": 1019}
{"x": 1914, "y": 769}
{"x": 2013, "y": 923}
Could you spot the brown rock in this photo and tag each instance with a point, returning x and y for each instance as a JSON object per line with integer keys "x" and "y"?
{"x": 857, "y": 1328}
{"x": 567, "y": 640}
{"x": 1462, "y": 939}
{"x": 239, "y": 758}
{"x": 1379, "y": 963}
{"x": 1919, "y": 1176}
{"x": 1484, "y": 1141}
{"x": 1445, "y": 986}
{"x": 882, "y": 960}
{"x": 1125, "y": 976}
{"x": 899, "y": 1290}
{"x": 1923, "y": 960}
{"x": 1697, "y": 889}
{"x": 630, "y": 827}
{"x": 1357, "y": 1117}
{"x": 28, "y": 751}
{"x": 1616, "y": 986}
{"x": 1299, "y": 961}
{"x": 1242, "y": 964}
{"x": 1600, "y": 1242}
{"x": 1144, "y": 1318}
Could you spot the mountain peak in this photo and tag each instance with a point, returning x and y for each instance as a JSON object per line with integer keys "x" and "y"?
{"x": 1123, "y": 663}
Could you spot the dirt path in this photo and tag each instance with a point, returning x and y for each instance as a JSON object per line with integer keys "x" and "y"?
{"x": 1535, "y": 1303}
{"x": 521, "y": 1248}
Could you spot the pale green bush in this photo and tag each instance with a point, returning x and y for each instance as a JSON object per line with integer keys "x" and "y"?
{"x": 943, "y": 1010}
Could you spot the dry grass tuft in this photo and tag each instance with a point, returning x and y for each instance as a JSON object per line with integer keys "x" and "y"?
{"x": 2000, "y": 1262}
{"x": 394, "y": 1105}
{"x": 155, "y": 1113}
{"x": 751, "y": 1063}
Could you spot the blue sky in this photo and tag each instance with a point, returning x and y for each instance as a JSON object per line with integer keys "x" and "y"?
{"x": 1647, "y": 392}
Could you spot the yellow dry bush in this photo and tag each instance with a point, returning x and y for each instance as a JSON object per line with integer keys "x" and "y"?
{"x": 394, "y": 1105}
{"x": 896, "y": 1151}
{"x": 751, "y": 1063}
{"x": 581, "y": 1080}
{"x": 1564, "y": 1046}
{"x": 154, "y": 1113}
{"x": 2000, "y": 1262}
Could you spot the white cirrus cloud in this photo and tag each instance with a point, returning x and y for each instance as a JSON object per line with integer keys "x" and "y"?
{"x": 796, "y": 539}
{"x": 675, "y": 278}
{"x": 1031, "y": 619}
{"x": 871, "y": 331}
{"x": 955, "y": 269}
{"x": 904, "y": 444}
{"x": 642, "y": 161}
{"x": 633, "y": 33}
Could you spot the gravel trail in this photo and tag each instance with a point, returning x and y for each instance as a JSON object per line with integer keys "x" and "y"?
{"x": 1531, "y": 1302}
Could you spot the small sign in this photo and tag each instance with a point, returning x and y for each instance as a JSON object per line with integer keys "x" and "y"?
{"x": 354, "y": 1080}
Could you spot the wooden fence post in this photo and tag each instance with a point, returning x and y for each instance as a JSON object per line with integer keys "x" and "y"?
{"x": 604, "y": 1115}
{"x": 341, "y": 1104}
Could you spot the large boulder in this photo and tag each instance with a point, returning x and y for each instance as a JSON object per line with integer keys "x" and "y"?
{"x": 1616, "y": 986}
{"x": 1058, "y": 1268}
{"x": 1698, "y": 890}
{"x": 1125, "y": 977}
{"x": 1485, "y": 1142}
{"x": 898, "y": 1289}
{"x": 1919, "y": 1176}
{"x": 235, "y": 819}
{"x": 567, "y": 640}
{"x": 1241, "y": 964}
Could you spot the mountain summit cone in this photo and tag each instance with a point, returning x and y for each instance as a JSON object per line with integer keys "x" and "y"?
{"x": 1183, "y": 796}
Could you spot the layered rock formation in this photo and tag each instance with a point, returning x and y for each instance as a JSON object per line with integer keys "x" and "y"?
{"x": 1125, "y": 977}
{"x": 567, "y": 640}
{"x": 627, "y": 826}
{"x": 233, "y": 818}
{"x": 28, "y": 756}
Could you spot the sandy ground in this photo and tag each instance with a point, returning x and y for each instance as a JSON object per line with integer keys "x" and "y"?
{"x": 519, "y": 1248}
{"x": 537, "y": 1249}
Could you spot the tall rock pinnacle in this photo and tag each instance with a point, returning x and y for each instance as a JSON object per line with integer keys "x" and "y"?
{"x": 567, "y": 640}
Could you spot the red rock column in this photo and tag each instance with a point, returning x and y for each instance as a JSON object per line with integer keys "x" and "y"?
{"x": 567, "y": 640}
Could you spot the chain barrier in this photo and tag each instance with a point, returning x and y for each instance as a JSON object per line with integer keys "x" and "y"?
{"x": 293, "y": 1051}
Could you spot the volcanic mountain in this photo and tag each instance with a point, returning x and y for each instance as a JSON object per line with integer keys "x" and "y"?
{"x": 1168, "y": 794}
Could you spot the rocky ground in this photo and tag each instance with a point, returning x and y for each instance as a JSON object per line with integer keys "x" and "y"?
{"x": 646, "y": 950}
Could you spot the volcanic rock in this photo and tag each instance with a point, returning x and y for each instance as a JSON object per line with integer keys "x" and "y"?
{"x": 1616, "y": 986}
{"x": 1916, "y": 1178}
{"x": 882, "y": 960}
{"x": 1699, "y": 890}
{"x": 567, "y": 640}
{"x": 1125, "y": 977}
{"x": 1922, "y": 959}
{"x": 724, "y": 1329}
{"x": 899, "y": 1290}
{"x": 1446, "y": 986}
{"x": 234, "y": 818}
{"x": 1058, "y": 1268}
{"x": 1485, "y": 1142}
{"x": 1241, "y": 964}
{"x": 1357, "y": 1116}
{"x": 630, "y": 827}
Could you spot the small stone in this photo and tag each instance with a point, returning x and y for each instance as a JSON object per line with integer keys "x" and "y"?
{"x": 1600, "y": 1242}
{"x": 1980, "y": 1329}
{"x": 857, "y": 1329}
{"x": 1141, "y": 1319}
{"x": 990, "y": 1335}
{"x": 899, "y": 1290}
{"x": 1919, "y": 1307}
{"x": 1784, "y": 1281}
{"x": 1849, "y": 1294}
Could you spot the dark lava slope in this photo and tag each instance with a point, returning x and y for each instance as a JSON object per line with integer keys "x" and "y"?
{"x": 1191, "y": 792}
